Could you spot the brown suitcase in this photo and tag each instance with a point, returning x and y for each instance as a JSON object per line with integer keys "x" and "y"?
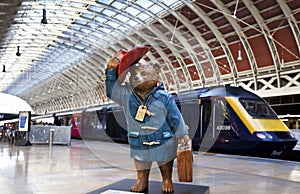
{"x": 185, "y": 162}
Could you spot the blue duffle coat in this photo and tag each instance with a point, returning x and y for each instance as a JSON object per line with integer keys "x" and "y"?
{"x": 154, "y": 138}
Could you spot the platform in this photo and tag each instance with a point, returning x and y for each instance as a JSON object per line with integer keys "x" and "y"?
{"x": 123, "y": 186}
{"x": 86, "y": 166}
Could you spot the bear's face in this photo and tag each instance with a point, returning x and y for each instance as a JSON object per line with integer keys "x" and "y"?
{"x": 144, "y": 77}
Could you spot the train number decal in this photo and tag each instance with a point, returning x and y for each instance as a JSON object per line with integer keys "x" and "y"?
{"x": 223, "y": 127}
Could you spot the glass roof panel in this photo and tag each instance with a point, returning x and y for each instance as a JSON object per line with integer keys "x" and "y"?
{"x": 68, "y": 33}
{"x": 106, "y": 30}
{"x": 66, "y": 12}
{"x": 74, "y": 27}
{"x": 79, "y": 35}
{"x": 88, "y": 16}
{"x": 95, "y": 8}
{"x": 132, "y": 23}
{"x": 58, "y": 41}
{"x": 90, "y": 39}
{"x": 169, "y": 2}
{"x": 104, "y": 1}
{"x": 118, "y": 5}
{"x": 68, "y": 43}
{"x": 144, "y": 3}
{"x": 64, "y": 3}
{"x": 132, "y": 11}
{"x": 122, "y": 28}
{"x": 77, "y": 4}
{"x": 80, "y": 22}
{"x": 52, "y": 45}
{"x": 113, "y": 24}
{"x": 155, "y": 9}
{"x": 109, "y": 13}
{"x": 121, "y": 18}
{"x": 92, "y": 25}
{"x": 142, "y": 16}
{"x": 85, "y": 30}
{"x": 98, "y": 35}
{"x": 79, "y": 47}
{"x": 100, "y": 19}
{"x": 88, "y": 49}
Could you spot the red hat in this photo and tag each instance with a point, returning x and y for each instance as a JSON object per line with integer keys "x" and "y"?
{"x": 129, "y": 58}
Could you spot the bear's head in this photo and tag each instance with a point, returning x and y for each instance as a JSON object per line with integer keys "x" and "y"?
{"x": 144, "y": 77}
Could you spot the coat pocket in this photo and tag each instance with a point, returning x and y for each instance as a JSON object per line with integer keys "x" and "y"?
{"x": 133, "y": 139}
{"x": 167, "y": 135}
{"x": 168, "y": 140}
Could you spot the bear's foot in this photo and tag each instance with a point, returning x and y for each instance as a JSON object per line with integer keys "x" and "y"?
{"x": 167, "y": 186}
{"x": 166, "y": 172}
{"x": 140, "y": 186}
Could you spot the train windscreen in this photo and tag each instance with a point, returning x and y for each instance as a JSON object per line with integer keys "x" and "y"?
{"x": 257, "y": 108}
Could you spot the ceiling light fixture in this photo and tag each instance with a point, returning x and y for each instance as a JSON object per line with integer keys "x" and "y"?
{"x": 282, "y": 59}
{"x": 239, "y": 58}
{"x": 44, "y": 19}
{"x": 3, "y": 70}
{"x": 18, "y": 51}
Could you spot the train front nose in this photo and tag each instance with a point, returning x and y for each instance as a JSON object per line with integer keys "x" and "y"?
{"x": 276, "y": 143}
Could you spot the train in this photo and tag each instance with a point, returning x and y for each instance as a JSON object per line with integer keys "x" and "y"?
{"x": 237, "y": 121}
{"x": 224, "y": 119}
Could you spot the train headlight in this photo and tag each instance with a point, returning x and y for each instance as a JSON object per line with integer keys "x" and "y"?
{"x": 269, "y": 136}
{"x": 261, "y": 136}
{"x": 264, "y": 136}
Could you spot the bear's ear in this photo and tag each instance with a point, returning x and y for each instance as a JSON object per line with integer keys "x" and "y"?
{"x": 156, "y": 67}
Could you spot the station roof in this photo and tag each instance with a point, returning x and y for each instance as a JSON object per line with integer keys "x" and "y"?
{"x": 53, "y": 52}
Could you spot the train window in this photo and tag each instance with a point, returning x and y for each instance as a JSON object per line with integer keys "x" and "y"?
{"x": 257, "y": 108}
{"x": 207, "y": 111}
{"x": 222, "y": 105}
{"x": 221, "y": 110}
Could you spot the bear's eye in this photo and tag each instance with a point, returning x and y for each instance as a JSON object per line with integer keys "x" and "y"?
{"x": 133, "y": 73}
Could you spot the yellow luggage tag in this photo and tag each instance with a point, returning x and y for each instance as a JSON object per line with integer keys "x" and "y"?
{"x": 141, "y": 112}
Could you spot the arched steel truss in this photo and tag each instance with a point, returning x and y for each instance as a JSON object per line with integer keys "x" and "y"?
{"x": 197, "y": 43}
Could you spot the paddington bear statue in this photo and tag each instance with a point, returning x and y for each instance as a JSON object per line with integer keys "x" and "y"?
{"x": 154, "y": 123}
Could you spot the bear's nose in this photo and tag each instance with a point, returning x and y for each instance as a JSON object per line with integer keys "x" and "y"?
{"x": 137, "y": 78}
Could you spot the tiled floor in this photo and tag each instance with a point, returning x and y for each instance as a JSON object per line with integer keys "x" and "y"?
{"x": 89, "y": 165}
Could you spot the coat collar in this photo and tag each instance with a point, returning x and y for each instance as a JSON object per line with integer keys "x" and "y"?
{"x": 160, "y": 86}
